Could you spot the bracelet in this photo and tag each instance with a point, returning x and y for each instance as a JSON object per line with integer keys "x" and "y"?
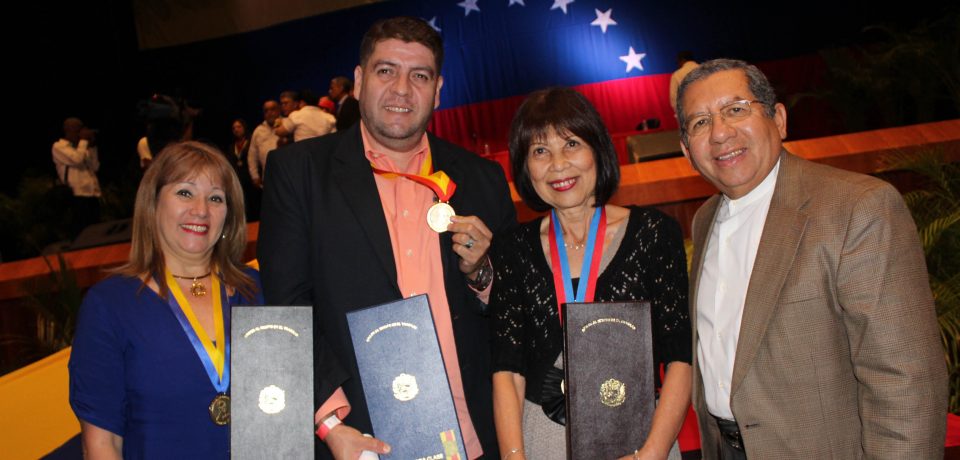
{"x": 512, "y": 451}
{"x": 484, "y": 275}
{"x": 326, "y": 425}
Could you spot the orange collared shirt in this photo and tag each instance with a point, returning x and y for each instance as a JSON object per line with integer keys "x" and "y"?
{"x": 416, "y": 253}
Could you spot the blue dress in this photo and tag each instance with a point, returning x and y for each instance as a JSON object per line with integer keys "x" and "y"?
{"x": 134, "y": 373}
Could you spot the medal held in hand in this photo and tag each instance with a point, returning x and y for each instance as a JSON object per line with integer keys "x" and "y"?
{"x": 438, "y": 216}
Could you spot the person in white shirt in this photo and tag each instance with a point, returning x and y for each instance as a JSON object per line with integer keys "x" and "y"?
{"x": 685, "y": 64}
{"x": 307, "y": 121}
{"x": 814, "y": 329}
{"x": 76, "y": 160}
{"x": 262, "y": 142}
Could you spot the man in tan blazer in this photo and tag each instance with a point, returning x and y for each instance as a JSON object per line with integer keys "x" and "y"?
{"x": 814, "y": 326}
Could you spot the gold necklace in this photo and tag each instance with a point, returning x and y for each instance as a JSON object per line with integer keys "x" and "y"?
{"x": 576, "y": 245}
{"x": 197, "y": 289}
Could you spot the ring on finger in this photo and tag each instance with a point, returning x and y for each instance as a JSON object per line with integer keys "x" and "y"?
{"x": 469, "y": 244}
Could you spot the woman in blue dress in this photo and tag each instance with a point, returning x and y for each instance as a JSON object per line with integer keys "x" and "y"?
{"x": 149, "y": 371}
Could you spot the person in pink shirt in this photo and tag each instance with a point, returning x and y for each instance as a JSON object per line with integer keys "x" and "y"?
{"x": 339, "y": 234}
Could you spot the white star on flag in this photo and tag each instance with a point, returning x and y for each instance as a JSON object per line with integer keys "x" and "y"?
{"x": 433, "y": 23}
{"x": 633, "y": 60}
{"x": 468, "y": 6}
{"x": 515, "y": 2}
{"x": 562, "y": 4}
{"x": 603, "y": 19}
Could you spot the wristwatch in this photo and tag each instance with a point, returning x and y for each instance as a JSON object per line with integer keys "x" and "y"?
{"x": 484, "y": 275}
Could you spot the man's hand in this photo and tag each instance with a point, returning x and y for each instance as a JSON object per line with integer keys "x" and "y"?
{"x": 346, "y": 443}
{"x": 471, "y": 241}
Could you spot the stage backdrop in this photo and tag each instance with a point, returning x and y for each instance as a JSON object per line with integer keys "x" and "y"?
{"x": 620, "y": 53}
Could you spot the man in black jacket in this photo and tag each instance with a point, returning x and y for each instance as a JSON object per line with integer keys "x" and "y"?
{"x": 341, "y": 231}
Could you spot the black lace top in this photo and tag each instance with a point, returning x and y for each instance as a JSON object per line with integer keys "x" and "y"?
{"x": 649, "y": 264}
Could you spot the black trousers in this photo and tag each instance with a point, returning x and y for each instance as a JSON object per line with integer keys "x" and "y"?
{"x": 731, "y": 444}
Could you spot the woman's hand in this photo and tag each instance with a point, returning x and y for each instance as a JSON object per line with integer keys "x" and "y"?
{"x": 670, "y": 413}
{"x": 646, "y": 453}
{"x": 508, "y": 390}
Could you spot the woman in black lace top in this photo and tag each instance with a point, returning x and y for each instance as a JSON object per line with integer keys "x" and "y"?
{"x": 564, "y": 162}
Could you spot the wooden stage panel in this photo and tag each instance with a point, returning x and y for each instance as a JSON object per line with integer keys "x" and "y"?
{"x": 670, "y": 184}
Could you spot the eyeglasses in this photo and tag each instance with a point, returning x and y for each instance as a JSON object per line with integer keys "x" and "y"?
{"x": 731, "y": 113}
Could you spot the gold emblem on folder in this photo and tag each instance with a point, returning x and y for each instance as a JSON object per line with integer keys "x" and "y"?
{"x": 613, "y": 392}
{"x": 272, "y": 400}
{"x": 405, "y": 387}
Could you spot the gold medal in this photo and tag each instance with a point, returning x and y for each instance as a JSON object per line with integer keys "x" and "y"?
{"x": 220, "y": 409}
{"x": 438, "y": 216}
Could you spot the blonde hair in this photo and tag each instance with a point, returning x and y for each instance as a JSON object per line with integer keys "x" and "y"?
{"x": 175, "y": 163}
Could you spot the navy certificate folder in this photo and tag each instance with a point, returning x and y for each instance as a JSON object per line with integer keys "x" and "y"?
{"x": 271, "y": 388}
{"x": 404, "y": 380}
{"x": 608, "y": 367}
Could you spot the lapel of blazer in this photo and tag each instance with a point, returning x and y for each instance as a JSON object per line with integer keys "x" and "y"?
{"x": 702, "y": 226}
{"x": 782, "y": 232}
{"x": 353, "y": 175}
{"x": 446, "y": 161}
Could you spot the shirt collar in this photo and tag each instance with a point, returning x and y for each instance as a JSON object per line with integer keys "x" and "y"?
{"x": 374, "y": 152}
{"x": 762, "y": 191}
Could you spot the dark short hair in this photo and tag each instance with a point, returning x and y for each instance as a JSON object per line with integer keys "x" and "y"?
{"x": 756, "y": 81}
{"x": 242, "y": 123}
{"x": 566, "y": 111}
{"x": 308, "y": 96}
{"x": 345, "y": 83}
{"x": 292, "y": 95}
{"x": 404, "y": 28}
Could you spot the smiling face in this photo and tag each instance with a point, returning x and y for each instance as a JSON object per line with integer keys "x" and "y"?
{"x": 398, "y": 88}
{"x": 563, "y": 170}
{"x": 734, "y": 157}
{"x": 190, "y": 218}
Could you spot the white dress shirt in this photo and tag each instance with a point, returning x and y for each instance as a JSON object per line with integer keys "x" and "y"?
{"x": 309, "y": 121}
{"x": 262, "y": 142}
{"x": 675, "y": 80}
{"x": 83, "y": 162}
{"x": 727, "y": 265}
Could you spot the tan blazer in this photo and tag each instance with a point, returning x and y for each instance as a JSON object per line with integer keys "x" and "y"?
{"x": 839, "y": 353}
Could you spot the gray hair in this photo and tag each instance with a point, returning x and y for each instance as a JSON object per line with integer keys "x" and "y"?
{"x": 756, "y": 81}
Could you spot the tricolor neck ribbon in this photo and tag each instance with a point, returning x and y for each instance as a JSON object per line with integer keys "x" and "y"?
{"x": 589, "y": 269}
{"x": 215, "y": 358}
{"x": 438, "y": 181}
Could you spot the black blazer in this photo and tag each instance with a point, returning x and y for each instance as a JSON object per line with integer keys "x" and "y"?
{"x": 348, "y": 114}
{"x": 324, "y": 242}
